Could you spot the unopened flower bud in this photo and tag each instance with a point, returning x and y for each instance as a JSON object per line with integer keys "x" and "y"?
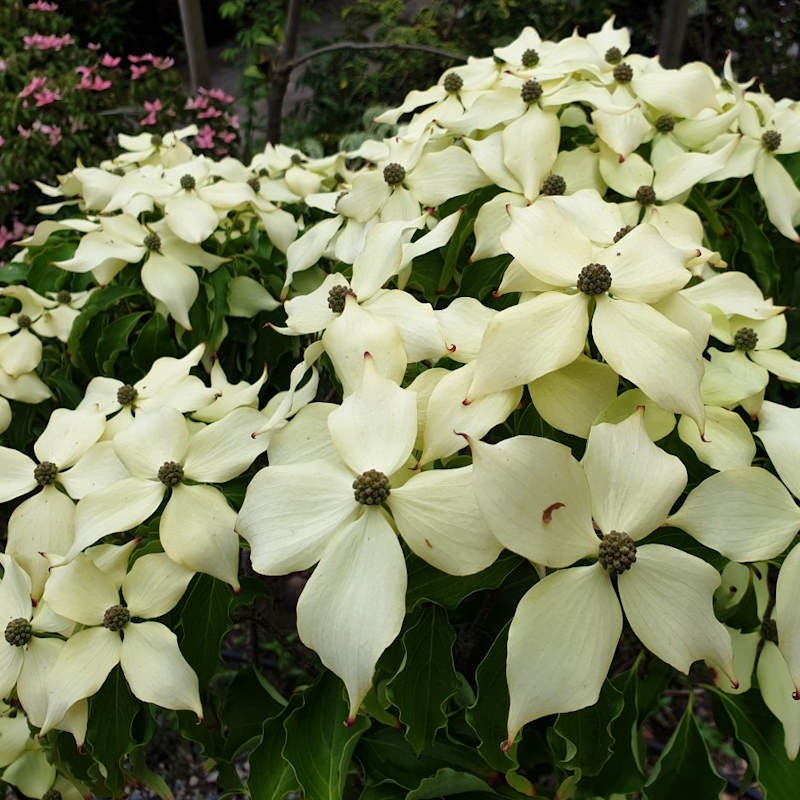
{"x": 665, "y": 123}
{"x": 116, "y": 618}
{"x": 394, "y": 174}
{"x": 554, "y": 185}
{"x": 45, "y": 473}
{"x": 531, "y": 91}
{"x": 337, "y": 297}
{"x": 156, "y": 140}
{"x": 371, "y": 488}
{"x": 745, "y": 339}
{"x": 613, "y": 55}
{"x": 617, "y": 552}
{"x": 170, "y": 473}
{"x": 19, "y": 632}
{"x": 188, "y": 182}
{"x": 530, "y": 58}
{"x": 64, "y": 297}
{"x": 452, "y": 83}
{"x": 594, "y": 279}
{"x": 24, "y": 321}
{"x": 645, "y": 195}
{"x": 623, "y": 73}
{"x": 126, "y": 395}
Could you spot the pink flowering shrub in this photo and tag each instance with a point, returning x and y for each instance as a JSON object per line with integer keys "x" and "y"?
{"x": 62, "y": 100}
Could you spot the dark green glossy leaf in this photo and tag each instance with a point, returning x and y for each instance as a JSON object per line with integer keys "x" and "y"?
{"x": 271, "y": 776}
{"x": 114, "y": 340}
{"x": 154, "y": 340}
{"x": 684, "y": 768}
{"x": 247, "y": 705}
{"x": 319, "y": 745}
{"x": 427, "y": 679}
{"x": 447, "y": 782}
{"x": 761, "y": 736}
{"x": 427, "y": 583}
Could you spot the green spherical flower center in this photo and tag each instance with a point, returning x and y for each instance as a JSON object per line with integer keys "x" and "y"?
{"x": 152, "y": 242}
{"x": 645, "y": 195}
{"x": 554, "y": 185}
{"x": 170, "y": 473}
{"x": 530, "y": 58}
{"x": 531, "y": 91}
{"x": 623, "y": 73}
{"x": 665, "y": 123}
{"x": 156, "y": 140}
{"x": 255, "y": 184}
{"x": 45, "y": 473}
{"x": 453, "y": 82}
{"x": 19, "y": 632}
{"x": 771, "y": 140}
{"x": 371, "y": 488}
{"x": 613, "y": 55}
{"x": 594, "y": 279}
{"x": 623, "y": 231}
{"x": 51, "y": 794}
{"x": 745, "y": 339}
{"x": 617, "y": 552}
{"x": 188, "y": 182}
{"x": 64, "y": 297}
{"x": 24, "y": 321}
{"x": 337, "y": 297}
{"x": 126, "y": 395}
{"x": 394, "y": 174}
{"x": 116, "y": 618}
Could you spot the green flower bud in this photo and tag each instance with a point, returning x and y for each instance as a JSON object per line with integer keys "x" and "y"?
{"x": 188, "y": 182}
{"x": 452, "y": 83}
{"x": 152, "y": 242}
{"x": 530, "y": 58}
{"x": 625, "y": 229}
{"x": 394, "y": 174}
{"x": 170, "y": 473}
{"x": 617, "y": 552}
{"x": 594, "y": 279}
{"x": 156, "y": 140}
{"x": 371, "y": 488}
{"x": 24, "y": 321}
{"x": 745, "y": 339}
{"x": 116, "y": 618}
{"x": 554, "y": 185}
{"x": 126, "y": 395}
{"x": 64, "y": 297}
{"x": 45, "y": 473}
{"x": 337, "y": 297}
{"x": 531, "y": 91}
{"x": 665, "y": 123}
{"x": 623, "y": 73}
{"x": 613, "y": 55}
{"x": 19, "y": 632}
{"x": 771, "y": 140}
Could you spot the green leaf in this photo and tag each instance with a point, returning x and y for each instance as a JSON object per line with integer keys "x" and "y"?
{"x": 384, "y": 791}
{"x": 205, "y": 619}
{"x": 114, "y": 340}
{"x": 271, "y": 776}
{"x": 427, "y": 679}
{"x": 761, "y": 735}
{"x": 319, "y": 745}
{"x": 586, "y": 734}
{"x": 108, "y": 735}
{"x": 684, "y": 768}
{"x": 154, "y": 340}
{"x": 448, "y": 782}
{"x": 427, "y": 583}
{"x": 110, "y": 296}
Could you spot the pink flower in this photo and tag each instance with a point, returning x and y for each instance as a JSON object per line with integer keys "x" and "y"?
{"x": 210, "y": 113}
{"x": 17, "y": 231}
{"x": 137, "y": 72}
{"x": 205, "y": 138}
{"x": 3, "y": 65}
{"x": 193, "y": 103}
{"x": 109, "y": 61}
{"x": 46, "y": 96}
{"x": 163, "y": 63}
{"x": 2, "y": 141}
{"x": 153, "y": 109}
{"x": 37, "y": 82}
{"x": 93, "y": 46}
{"x": 42, "y": 5}
{"x": 217, "y": 94}
{"x": 227, "y": 136}
{"x": 49, "y": 42}
{"x": 25, "y": 133}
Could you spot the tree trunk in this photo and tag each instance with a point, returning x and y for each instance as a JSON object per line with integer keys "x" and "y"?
{"x": 195, "y": 39}
{"x": 673, "y": 30}
{"x": 281, "y": 72}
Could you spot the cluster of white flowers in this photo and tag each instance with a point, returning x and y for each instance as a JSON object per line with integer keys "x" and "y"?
{"x": 615, "y": 282}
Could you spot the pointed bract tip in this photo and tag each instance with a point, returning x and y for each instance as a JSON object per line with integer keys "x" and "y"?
{"x": 267, "y": 325}
{"x": 200, "y": 719}
{"x": 505, "y": 745}
{"x": 466, "y": 402}
{"x": 416, "y": 466}
{"x": 497, "y": 293}
{"x": 703, "y": 438}
{"x": 451, "y": 348}
{"x": 367, "y": 354}
{"x": 796, "y": 694}
{"x": 464, "y": 436}
{"x": 350, "y": 721}
{"x": 621, "y": 159}
{"x": 734, "y": 683}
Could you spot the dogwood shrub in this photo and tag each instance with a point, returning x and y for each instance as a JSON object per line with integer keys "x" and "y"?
{"x": 507, "y": 399}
